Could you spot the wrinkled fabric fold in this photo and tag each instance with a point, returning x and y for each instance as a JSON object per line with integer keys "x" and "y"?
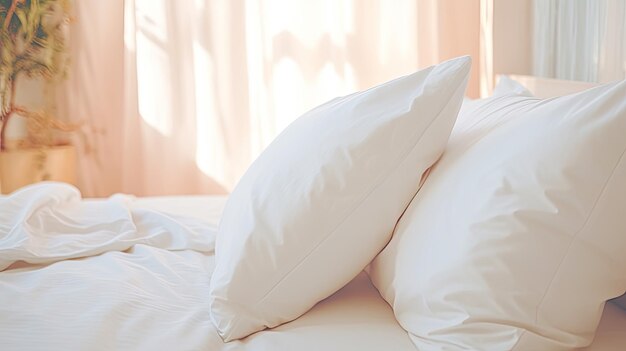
{"x": 50, "y": 222}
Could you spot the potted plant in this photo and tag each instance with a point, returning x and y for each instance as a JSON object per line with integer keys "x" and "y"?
{"x": 32, "y": 45}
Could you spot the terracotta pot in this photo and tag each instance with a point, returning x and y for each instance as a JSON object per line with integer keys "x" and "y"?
{"x": 21, "y": 167}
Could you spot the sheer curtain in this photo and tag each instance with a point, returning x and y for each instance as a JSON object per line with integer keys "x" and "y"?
{"x": 580, "y": 40}
{"x": 187, "y": 93}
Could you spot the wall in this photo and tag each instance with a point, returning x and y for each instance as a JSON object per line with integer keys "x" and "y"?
{"x": 512, "y": 36}
{"x": 448, "y": 29}
{"x": 506, "y": 38}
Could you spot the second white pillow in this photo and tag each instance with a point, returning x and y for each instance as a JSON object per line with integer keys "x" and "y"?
{"x": 516, "y": 239}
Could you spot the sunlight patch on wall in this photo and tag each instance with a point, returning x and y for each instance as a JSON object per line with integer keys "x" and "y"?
{"x": 209, "y": 136}
{"x": 154, "y": 93}
{"x": 153, "y": 65}
{"x": 324, "y": 17}
{"x": 289, "y": 81}
{"x": 397, "y": 36}
{"x": 129, "y": 26}
{"x": 486, "y": 48}
{"x": 151, "y": 17}
{"x": 295, "y": 64}
{"x": 330, "y": 83}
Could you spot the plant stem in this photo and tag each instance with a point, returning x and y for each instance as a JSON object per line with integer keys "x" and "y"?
{"x": 3, "y": 131}
{"x": 7, "y": 19}
{"x": 5, "y": 119}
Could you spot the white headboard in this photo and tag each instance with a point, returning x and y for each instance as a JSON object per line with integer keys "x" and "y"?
{"x": 547, "y": 88}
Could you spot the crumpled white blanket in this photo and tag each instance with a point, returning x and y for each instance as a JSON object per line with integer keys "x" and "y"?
{"x": 50, "y": 222}
{"x": 103, "y": 274}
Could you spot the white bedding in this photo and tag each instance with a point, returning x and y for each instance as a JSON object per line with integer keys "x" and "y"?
{"x": 117, "y": 275}
{"x": 133, "y": 274}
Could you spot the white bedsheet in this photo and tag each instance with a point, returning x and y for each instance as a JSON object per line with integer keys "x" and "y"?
{"x": 117, "y": 274}
{"x": 133, "y": 274}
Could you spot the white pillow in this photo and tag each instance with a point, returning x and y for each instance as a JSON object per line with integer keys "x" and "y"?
{"x": 322, "y": 200}
{"x": 506, "y": 85}
{"x": 516, "y": 239}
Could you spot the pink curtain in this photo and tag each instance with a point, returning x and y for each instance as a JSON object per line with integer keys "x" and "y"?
{"x": 93, "y": 93}
{"x": 183, "y": 95}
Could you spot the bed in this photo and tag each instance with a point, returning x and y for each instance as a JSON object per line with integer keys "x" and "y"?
{"x": 135, "y": 275}
{"x": 149, "y": 297}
